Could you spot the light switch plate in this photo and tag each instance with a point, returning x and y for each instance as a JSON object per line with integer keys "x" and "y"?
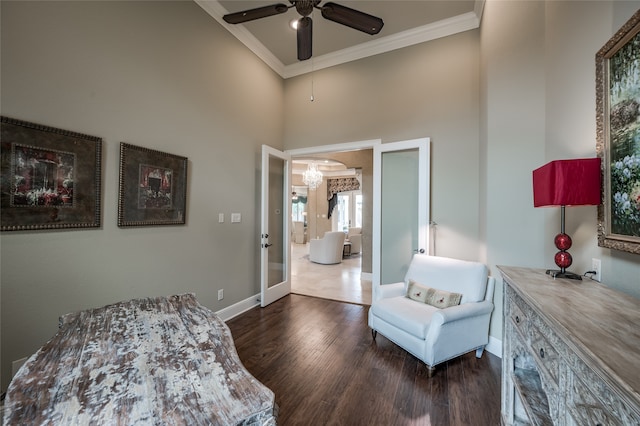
{"x": 220, "y": 217}
{"x": 236, "y": 217}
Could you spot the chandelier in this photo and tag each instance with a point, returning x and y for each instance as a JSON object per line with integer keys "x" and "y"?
{"x": 312, "y": 177}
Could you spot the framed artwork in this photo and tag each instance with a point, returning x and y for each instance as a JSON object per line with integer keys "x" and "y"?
{"x": 618, "y": 138}
{"x": 153, "y": 187}
{"x": 49, "y": 178}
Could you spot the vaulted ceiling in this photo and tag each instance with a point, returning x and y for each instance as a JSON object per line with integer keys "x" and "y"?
{"x": 405, "y": 23}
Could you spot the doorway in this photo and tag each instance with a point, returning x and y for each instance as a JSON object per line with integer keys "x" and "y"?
{"x": 350, "y": 280}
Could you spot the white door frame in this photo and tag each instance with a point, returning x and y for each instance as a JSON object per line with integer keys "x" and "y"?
{"x": 269, "y": 294}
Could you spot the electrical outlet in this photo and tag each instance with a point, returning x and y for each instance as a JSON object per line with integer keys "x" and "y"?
{"x": 596, "y": 265}
{"x": 220, "y": 294}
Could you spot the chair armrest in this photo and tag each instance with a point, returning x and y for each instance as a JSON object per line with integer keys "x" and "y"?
{"x": 391, "y": 290}
{"x": 458, "y": 329}
{"x": 458, "y": 312}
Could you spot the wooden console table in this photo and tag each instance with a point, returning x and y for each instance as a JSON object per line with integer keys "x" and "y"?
{"x": 168, "y": 361}
{"x": 571, "y": 352}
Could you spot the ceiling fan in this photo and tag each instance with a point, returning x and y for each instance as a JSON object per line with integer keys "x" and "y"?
{"x": 334, "y": 12}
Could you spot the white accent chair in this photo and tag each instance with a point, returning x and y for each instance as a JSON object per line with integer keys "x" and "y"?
{"x": 354, "y": 236}
{"x": 328, "y": 249}
{"x": 431, "y": 334}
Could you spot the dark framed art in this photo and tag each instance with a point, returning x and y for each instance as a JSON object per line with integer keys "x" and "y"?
{"x": 153, "y": 187}
{"x": 618, "y": 138}
{"x": 49, "y": 178}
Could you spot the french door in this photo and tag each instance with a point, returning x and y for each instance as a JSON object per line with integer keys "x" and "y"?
{"x": 275, "y": 247}
{"x": 400, "y": 208}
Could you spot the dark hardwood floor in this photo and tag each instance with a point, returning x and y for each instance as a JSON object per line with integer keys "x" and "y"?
{"x": 319, "y": 359}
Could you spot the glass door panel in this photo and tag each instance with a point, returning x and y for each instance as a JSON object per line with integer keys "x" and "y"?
{"x": 400, "y": 208}
{"x": 399, "y": 213}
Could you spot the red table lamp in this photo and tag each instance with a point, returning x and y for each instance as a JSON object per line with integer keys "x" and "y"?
{"x": 566, "y": 183}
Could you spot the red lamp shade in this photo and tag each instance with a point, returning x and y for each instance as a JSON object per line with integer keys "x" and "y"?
{"x": 567, "y": 183}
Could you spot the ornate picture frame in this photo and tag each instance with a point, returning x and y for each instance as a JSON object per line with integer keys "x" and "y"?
{"x": 49, "y": 178}
{"x": 618, "y": 138}
{"x": 153, "y": 187}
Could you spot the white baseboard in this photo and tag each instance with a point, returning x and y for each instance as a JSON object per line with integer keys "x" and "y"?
{"x": 494, "y": 346}
{"x": 241, "y": 307}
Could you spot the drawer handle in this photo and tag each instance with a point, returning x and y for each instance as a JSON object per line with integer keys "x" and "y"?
{"x": 541, "y": 352}
{"x": 517, "y": 319}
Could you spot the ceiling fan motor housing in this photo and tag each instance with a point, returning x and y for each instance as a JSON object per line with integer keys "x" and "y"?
{"x": 305, "y": 7}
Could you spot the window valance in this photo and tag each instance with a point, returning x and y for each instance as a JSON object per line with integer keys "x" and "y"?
{"x": 337, "y": 185}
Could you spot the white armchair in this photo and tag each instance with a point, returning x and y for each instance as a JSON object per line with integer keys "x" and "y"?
{"x": 431, "y": 334}
{"x": 328, "y": 249}
{"x": 354, "y": 235}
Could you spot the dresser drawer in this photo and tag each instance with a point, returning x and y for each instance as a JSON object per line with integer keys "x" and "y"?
{"x": 546, "y": 354}
{"x": 517, "y": 309}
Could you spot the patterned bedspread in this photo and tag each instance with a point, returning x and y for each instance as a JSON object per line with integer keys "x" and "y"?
{"x": 154, "y": 361}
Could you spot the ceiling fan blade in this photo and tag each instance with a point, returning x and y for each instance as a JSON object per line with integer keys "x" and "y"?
{"x": 257, "y": 13}
{"x": 305, "y": 36}
{"x": 352, "y": 18}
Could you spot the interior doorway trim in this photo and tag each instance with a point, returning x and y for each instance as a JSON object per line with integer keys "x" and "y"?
{"x": 338, "y": 147}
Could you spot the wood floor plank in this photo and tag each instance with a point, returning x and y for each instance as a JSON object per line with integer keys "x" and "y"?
{"x": 458, "y": 395}
{"x": 482, "y": 376}
{"x": 439, "y": 393}
{"x": 320, "y": 360}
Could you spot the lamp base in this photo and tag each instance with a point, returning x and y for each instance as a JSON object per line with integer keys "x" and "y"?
{"x": 565, "y": 274}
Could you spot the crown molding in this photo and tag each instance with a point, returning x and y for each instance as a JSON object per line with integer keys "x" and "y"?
{"x": 443, "y": 28}
{"x": 446, "y": 27}
{"x": 217, "y": 11}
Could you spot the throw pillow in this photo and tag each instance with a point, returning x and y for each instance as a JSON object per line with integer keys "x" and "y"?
{"x": 431, "y": 296}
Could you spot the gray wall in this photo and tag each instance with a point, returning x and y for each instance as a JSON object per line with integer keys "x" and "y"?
{"x": 162, "y": 75}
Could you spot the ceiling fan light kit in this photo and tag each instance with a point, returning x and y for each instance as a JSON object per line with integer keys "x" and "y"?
{"x": 332, "y": 11}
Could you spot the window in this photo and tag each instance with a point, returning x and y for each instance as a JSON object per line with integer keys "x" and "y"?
{"x": 299, "y": 204}
{"x": 348, "y": 211}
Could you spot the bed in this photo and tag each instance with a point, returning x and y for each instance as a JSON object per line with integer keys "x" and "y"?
{"x": 165, "y": 360}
